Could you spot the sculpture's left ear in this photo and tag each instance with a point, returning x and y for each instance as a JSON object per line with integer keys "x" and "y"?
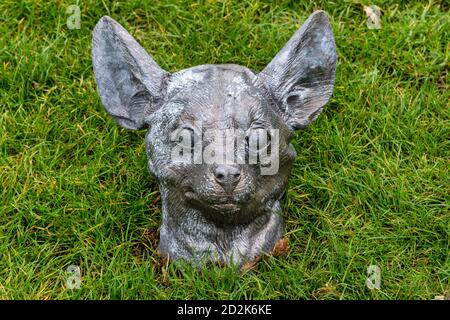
{"x": 301, "y": 76}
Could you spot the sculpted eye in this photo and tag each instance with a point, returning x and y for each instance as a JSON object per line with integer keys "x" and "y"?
{"x": 188, "y": 137}
{"x": 184, "y": 137}
{"x": 257, "y": 141}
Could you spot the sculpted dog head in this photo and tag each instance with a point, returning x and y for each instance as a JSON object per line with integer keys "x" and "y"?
{"x": 218, "y": 138}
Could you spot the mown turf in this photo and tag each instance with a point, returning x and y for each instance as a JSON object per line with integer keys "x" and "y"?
{"x": 370, "y": 185}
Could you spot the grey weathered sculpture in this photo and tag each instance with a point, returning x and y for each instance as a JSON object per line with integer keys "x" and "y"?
{"x": 217, "y": 210}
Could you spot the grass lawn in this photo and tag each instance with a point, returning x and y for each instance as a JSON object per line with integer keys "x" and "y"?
{"x": 370, "y": 185}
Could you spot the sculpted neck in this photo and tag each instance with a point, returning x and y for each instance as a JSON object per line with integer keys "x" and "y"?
{"x": 186, "y": 234}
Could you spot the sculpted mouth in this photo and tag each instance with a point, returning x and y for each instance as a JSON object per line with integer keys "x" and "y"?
{"x": 228, "y": 207}
{"x": 225, "y": 204}
{"x": 237, "y": 209}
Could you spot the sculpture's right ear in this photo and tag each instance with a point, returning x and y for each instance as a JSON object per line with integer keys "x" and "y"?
{"x": 129, "y": 82}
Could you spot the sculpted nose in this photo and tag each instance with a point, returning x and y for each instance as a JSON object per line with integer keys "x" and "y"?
{"x": 227, "y": 176}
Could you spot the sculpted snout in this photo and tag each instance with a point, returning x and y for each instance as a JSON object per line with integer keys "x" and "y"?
{"x": 227, "y": 175}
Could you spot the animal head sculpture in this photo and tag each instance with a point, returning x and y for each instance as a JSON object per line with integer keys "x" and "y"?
{"x": 218, "y": 139}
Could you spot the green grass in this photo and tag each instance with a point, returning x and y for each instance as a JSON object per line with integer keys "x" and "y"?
{"x": 370, "y": 185}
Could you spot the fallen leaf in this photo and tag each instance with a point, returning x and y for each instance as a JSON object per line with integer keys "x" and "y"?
{"x": 373, "y": 13}
{"x": 327, "y": 291}
{"x": 281, "y": 248}
{"x": 251, "y": 264}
